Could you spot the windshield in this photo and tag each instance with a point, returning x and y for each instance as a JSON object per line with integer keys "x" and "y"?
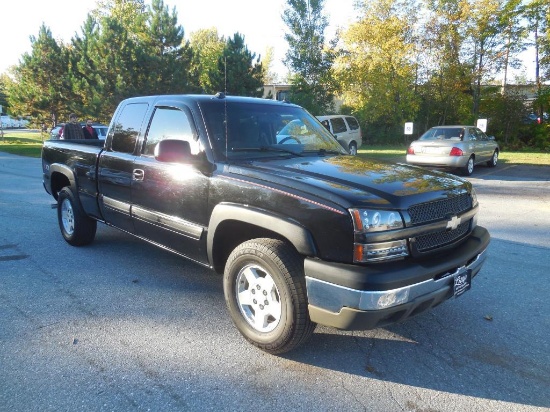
{"x": 443, "y": 133}
{"x": 244, "y": 130}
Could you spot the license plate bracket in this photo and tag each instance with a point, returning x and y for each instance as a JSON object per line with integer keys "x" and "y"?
{"x": 462, "y": 282}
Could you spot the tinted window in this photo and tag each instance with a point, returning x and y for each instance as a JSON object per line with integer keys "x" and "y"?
{"x": 127, "y": 127}
{"x": 338, "y": 125}
{"x": 169, "y": 123}
{"x": 352, "y": 123}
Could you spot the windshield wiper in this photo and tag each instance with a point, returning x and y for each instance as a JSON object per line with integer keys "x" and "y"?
{"x": 265, "y": 149}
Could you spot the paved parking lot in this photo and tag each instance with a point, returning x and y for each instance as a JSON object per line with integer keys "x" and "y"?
{"x": 122, "y": 325}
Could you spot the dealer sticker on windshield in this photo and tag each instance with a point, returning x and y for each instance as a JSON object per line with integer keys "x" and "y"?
{"x": 463, "y": 282}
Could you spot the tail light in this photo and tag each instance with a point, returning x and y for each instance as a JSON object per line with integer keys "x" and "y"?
{"x": 410, "y": 150}
{"x": 455, "y": 151}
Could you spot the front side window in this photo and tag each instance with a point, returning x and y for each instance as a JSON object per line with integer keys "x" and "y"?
{"x": 480, "y": 134}
{"x": 170, "y": 123}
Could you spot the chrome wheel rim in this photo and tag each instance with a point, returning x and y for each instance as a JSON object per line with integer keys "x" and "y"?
{"x": 470, "y": 165}
{"x": 67, "y": 217}
{"x": 258, "y": 298}
{"x": 495, "y": 158}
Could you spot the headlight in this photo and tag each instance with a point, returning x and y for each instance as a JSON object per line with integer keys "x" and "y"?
{"x": 474, "y": 197}
{"x": 368, "y": 220}
{"x": 371, "y": 220}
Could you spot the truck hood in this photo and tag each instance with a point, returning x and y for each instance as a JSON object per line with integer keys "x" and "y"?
{"x": 353, "y": 181}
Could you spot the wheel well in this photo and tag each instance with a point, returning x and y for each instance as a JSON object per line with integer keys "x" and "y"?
{"x": 231, "y": 233}
{"x": 58, "y": 182}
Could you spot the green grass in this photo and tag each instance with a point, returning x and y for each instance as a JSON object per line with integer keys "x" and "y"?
{"x": 22, "y": 143}
{"x": 27, "y": 143}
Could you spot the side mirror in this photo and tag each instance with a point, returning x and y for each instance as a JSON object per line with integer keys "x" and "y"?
{"x": 171, "y": 150}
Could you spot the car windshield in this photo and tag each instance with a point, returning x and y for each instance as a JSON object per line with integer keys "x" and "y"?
{"x": 443, "y": 133}
{"x": 245, "y": 130}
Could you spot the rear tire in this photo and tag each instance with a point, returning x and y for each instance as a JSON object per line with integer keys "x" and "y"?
{"x": 353, "y": 149}
{"x": 469, "y": 168}
{"x": 494, "y": 160}
{"x": 265, "y": 292}
{"x": 76, "y": 227}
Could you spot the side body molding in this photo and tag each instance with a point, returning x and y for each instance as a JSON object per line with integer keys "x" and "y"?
{"x": 298, "y": 235}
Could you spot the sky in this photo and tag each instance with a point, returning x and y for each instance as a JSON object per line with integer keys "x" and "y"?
{"x": 258, "y": 20}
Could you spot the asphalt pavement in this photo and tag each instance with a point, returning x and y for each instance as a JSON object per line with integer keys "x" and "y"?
{"x": 121, "y": 325}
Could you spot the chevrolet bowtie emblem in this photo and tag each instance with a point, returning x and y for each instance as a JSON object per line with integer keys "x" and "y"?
{"x": 453, "y": 223}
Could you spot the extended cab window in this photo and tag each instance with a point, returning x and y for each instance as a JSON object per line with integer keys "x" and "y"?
{"x": 170, "y": 123}
{"x": 127, "y": 127}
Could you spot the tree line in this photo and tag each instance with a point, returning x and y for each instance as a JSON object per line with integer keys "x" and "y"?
{"x": 431, "y": 62}
{"x": 126, "y": 48}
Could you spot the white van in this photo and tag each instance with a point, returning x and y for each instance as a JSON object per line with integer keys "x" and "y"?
{"x": 346, "y": 129}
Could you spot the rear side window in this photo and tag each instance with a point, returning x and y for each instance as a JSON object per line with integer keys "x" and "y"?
{"x": 352, "y": 123}
{"x": 170, "y": 123}
{"x": 127, "y": 127}
{"x": 338, "y": 125}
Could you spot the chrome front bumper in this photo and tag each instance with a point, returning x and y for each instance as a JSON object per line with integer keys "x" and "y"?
{"x": 346, "y": 308}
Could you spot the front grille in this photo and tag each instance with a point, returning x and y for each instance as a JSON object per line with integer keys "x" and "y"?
{"x": 435, "y": 240}
{"x": 440, "y": 209}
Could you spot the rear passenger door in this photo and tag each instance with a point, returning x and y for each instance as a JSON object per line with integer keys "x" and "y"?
{"x": 116, "y": 166}
{"x": 170, "y": 199}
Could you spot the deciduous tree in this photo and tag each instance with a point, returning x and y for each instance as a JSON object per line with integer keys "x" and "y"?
{"x": 376, "y": 69}
{"x": 308, "y": 58}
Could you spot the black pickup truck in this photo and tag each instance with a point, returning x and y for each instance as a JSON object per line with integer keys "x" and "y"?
{"x": 261, "y": 192}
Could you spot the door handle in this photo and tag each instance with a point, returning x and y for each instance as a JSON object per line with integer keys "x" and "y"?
{"x": 138, "y": 174}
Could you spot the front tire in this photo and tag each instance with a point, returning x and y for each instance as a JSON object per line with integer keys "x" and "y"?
{"x": 76, "y": 227}
{"x": 353, "y": 149}
{"x": 494, "y": 159}
{"x": 265, "y": 292}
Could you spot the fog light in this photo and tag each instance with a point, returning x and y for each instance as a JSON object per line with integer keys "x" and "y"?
{"x": 372, "y": 252}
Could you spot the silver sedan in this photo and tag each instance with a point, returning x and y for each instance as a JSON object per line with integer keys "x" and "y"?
{"x": 454, "y": 147}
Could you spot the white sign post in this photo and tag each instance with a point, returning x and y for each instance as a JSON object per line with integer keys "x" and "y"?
{"x": 482, "y": 124}
{"x": 409, "y": 128}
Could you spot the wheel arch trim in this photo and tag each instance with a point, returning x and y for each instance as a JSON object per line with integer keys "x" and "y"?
{"x": 65, "y": 171}
{"x": 296, "y": 234}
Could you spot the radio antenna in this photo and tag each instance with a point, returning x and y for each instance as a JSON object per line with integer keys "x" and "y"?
{"x": 225, "y": 106}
